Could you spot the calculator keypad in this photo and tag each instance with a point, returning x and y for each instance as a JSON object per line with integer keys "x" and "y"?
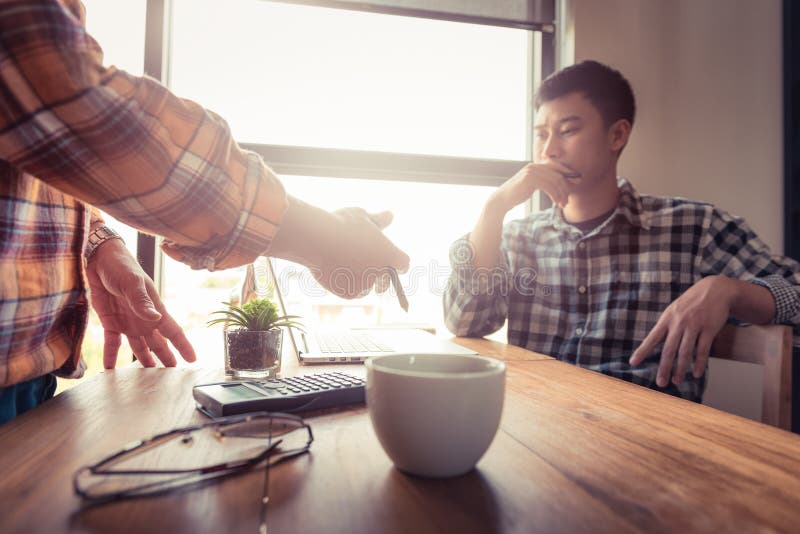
{"x": 298, "y": 385}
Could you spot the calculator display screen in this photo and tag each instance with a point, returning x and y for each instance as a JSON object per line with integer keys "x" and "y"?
{"x": 244, "y": 392}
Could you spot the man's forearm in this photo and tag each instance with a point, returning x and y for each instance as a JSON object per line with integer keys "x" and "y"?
{"x": 750, "y": 303}
{"x": 487, "y": 235}
{"x": 301, "y": 237}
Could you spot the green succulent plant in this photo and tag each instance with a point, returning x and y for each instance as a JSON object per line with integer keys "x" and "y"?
{"x": 256, "y": 315}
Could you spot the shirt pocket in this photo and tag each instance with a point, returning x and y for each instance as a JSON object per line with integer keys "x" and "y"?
{"x": 658, "y": 287}
{"x": 637, "y": 299}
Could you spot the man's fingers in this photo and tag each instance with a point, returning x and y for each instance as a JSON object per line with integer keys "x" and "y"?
{"x": 668, "y": 353}
{"x": 685, "y": 352}
{"x": 401, "y": 262}
{"x": 170, "y": 330}
{"x": 703, "y": 351}
{"x": 557, "y": 191}
{"x": 141, "y": 351}
{"x": 382, "y": 219}
{"x": 368, "y": 282}
{"x": 111, "y": 344}
{"x": 559, "y": 199}
{"x": 399, "y": 259}
{"x": 649, "y": 344}
{"x": 554, "y": 192}
{"x": 158, "y": 345}
{"x": 382, "y": 282}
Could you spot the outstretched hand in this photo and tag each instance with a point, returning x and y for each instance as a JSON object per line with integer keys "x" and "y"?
{"x": 358, "y": 259}
{"x": 345, "y": 250}
{"x": 127, "y": 303}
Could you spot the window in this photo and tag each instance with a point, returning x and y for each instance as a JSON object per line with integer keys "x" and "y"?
{"x": 422, "y": 115}
{"x": 119, "y": 28}
{"x": 309, "y": 76}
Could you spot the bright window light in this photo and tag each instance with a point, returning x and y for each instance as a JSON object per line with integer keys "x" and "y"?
{"x": 119, "y": 28}
{"x": 299, "y": 75}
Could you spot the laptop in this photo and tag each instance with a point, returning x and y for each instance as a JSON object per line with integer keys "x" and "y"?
{"x": 317, "y": 346}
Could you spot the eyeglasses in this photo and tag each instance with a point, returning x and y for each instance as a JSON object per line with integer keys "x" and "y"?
{"x": 195, "y": 455}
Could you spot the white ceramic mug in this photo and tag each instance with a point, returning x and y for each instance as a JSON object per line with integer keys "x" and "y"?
{"x": 435, "y": 415}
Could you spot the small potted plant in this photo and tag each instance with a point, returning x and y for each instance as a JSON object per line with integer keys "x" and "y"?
{"x": 253, "y": 338}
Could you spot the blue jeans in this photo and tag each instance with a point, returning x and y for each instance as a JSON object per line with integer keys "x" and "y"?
{"x": 19, "y": 398}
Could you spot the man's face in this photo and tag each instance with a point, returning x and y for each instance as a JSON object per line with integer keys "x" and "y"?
{"x": 570, "y": 130}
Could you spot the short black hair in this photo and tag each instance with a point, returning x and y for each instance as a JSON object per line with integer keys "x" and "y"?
{"x": 604, "y": 87}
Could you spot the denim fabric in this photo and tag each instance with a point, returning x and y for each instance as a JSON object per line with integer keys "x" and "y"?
{"x": 19, "y": 398}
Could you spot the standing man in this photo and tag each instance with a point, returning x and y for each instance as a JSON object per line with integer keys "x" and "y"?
{"x": 634, "y": 286}
{"x": 76, "y": 137}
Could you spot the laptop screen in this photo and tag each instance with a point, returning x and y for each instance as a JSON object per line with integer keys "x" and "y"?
{"x": 281, "y": 303}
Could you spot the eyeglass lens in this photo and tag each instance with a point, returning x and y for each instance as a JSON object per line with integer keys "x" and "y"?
{"x": 141, "y": 469}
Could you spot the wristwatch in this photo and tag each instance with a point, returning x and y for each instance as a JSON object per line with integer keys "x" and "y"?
{"x": 97, "y": 238}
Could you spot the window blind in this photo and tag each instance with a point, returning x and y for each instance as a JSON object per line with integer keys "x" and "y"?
{"x": 522, "y": 14}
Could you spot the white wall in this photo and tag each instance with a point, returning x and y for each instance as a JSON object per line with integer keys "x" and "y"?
{"x": 707, "y": 75}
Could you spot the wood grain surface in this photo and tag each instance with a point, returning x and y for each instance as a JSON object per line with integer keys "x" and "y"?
{"x": 501, "y": 351}
{"x": 576, "y": 452}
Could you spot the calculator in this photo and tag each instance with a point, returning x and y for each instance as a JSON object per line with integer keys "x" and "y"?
{"x": 291, "y": 394}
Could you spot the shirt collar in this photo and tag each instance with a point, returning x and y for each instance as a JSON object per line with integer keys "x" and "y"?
{"x": 630, "y": 206}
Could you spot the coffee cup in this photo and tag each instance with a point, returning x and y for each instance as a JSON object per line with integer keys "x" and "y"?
{"x": 434, "y": 414}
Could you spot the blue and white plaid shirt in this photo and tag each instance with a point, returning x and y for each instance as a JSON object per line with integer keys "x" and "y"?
{"x": 591, "y": 299}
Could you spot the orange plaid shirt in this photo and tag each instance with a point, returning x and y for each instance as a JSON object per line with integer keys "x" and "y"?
{"x": 75, "y": 134}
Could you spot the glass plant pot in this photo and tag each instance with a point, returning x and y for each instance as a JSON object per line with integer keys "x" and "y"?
{"x": 253, "y": 354}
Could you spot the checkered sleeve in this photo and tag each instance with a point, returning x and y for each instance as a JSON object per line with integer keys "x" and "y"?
{"x": 475, "y": 300}
{"x": 731, "y": 248}
{"x": 127, "y": 145}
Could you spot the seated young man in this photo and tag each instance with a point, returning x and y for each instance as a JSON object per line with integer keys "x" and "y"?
{"x": 630, "y": 285}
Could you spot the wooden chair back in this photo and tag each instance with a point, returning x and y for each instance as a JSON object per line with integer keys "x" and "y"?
{"x": 771, "y": 347}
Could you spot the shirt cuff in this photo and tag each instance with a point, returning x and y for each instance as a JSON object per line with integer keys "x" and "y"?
{"x": 787, "y": 298}
{"x": 476, "y": 281}
{"x": 95, "y": 217}
{"x": 264, "y": 203}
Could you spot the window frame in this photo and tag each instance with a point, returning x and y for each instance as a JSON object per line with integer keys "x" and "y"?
{"x": 344, "y": 163}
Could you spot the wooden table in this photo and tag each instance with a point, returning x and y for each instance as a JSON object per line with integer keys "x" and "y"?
{"x": 576, "y": 452}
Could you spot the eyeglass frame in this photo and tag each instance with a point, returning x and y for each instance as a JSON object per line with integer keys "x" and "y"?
{"x": 215, "y": 471}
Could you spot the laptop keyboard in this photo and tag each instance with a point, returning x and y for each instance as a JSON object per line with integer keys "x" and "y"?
{"x": 349, "y": 342}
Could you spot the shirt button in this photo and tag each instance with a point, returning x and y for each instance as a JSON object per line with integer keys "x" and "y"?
{"x": 581, "y": 245}
{"x": 578, "y": 331}
{"x": 582, "y": 290}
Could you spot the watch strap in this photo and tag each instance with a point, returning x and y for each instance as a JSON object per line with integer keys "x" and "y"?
{"x": 97, "y": 237}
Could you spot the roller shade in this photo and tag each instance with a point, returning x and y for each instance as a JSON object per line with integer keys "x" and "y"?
{"x": 523, "y": 14}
